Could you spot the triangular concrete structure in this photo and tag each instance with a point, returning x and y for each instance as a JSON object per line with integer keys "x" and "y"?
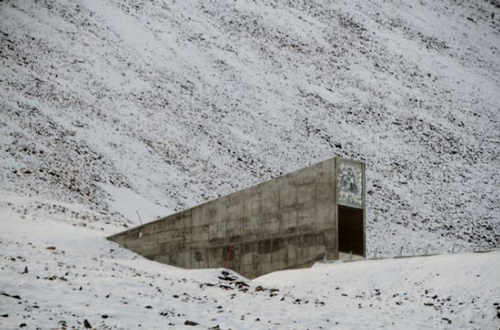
{"x": 292, "y": 221}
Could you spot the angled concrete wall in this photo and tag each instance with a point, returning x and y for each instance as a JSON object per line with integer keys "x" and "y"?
{"x": 286, "y": 222}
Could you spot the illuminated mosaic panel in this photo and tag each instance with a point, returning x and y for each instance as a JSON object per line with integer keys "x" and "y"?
{"x": 350, "y": 184}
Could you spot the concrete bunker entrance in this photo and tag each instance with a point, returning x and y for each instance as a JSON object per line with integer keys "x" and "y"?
{"x": 350, "y": 231}
{"x": 291, "y": 221}
{"x": 350, "y": 206}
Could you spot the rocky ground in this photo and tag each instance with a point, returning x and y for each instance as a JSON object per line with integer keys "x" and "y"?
{"x": 181, "y": 102}
{"x": 113, "y": 110}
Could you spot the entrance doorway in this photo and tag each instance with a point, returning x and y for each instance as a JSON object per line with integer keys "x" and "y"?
{"x": 350, "y": 231}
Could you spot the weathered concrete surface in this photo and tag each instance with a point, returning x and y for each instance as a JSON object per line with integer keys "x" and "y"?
{"x": 287, "y": 222}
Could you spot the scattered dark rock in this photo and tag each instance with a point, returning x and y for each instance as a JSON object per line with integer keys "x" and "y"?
{"x": 227, "y": 278}
{"x": 257, "y": 319}
{"x": 22, "y": 325}
{"x": 5, "y": 315}
{"x": 241, "y": 283}
{"x": 175, "y": 296}
{"x": 259, "y": 288}
{"x": 191, "y": 323}
{"x": 104, "y": 316}
{"x": 14, "y": 296}
{"x": 226, "y": 287}
{"x": 25, "y": 270}
{"x": 50, "y": 247}
{"x": 86, "y": 324}
{"x": 428, "y": 304}
{"x": 446, "y": 319}
{"x": 209, "y": 284}
{"x": 149, "y": 307}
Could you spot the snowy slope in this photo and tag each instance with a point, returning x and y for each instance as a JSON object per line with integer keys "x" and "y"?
{"x": 59, "y": 275}
{"x": 115, "y": 110}
{"x": 178, "y": 102}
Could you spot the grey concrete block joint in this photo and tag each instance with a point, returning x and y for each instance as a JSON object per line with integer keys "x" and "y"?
{"x": 292, "y": 221}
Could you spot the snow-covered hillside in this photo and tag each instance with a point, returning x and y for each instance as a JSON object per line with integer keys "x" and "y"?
{"x": 58, "y": 276}
{"x": 111, "y": 110}
{"x": 178, "y": 102}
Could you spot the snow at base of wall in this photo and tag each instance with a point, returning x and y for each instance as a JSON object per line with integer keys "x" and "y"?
{"x": 58, "y": 275}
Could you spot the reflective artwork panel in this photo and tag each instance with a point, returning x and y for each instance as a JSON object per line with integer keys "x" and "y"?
{"x": 350, "y": 184}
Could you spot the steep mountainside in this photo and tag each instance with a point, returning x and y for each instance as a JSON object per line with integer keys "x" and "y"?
{"x": 178, "y": 102}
